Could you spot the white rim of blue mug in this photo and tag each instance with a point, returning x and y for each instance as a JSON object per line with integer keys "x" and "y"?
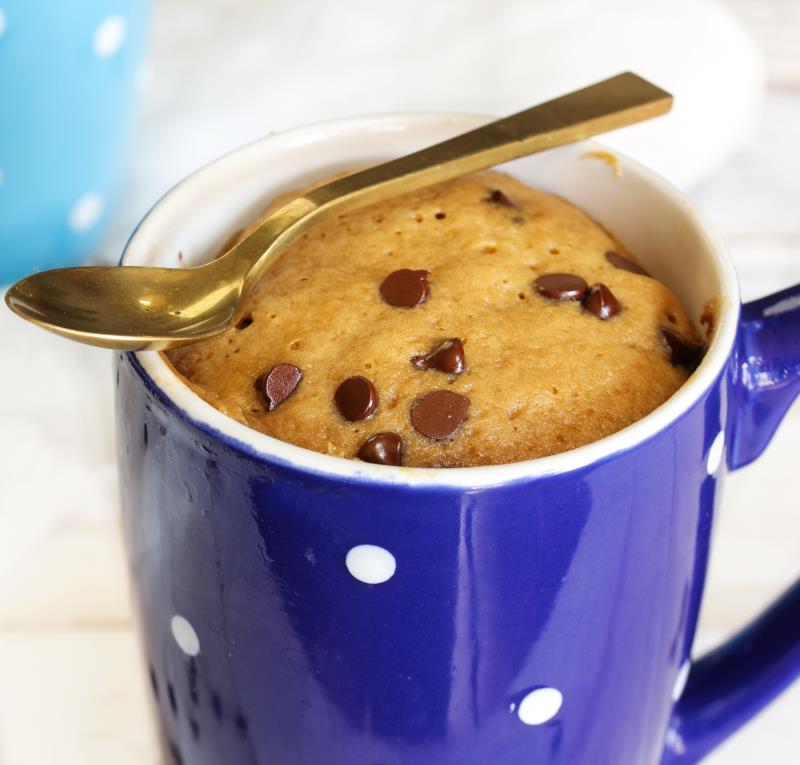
{"x": 217, "y": 424}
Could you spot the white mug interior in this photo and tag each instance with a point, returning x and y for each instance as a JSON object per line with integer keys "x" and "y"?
{"x": 190, "y": 224}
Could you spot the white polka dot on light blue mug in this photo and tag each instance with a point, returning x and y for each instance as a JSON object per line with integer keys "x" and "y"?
{"x": 68, "y": 122}
{"x": 109, "y": 36}
{"x": 86, "y": 211}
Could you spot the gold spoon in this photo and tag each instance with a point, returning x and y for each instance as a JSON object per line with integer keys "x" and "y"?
{"x": 139, "y": 308}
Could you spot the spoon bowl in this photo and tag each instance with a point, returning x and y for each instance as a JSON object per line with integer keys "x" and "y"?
{"x": 142, "y": 308}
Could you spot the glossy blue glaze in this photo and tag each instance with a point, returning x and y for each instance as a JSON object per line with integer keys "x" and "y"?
{"x": 766, "y": 372}
{"x": 730, "y": 685}
{"x": 588, "y": 582}
{"x": 734, "y": 682}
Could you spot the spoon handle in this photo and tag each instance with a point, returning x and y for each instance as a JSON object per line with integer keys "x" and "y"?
{"x": 607, "y": 105}
{"x": 157, "y": 308}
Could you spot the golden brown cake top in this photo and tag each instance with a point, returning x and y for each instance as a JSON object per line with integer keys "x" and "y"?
{"x": 475, "y": 322}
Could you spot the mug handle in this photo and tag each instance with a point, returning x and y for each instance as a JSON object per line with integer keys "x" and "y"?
{"x": 732, "y": 683}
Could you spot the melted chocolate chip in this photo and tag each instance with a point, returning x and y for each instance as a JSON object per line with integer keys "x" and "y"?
{"x": 561, "y": 286}
{"x": 356, "y": 398}
{"x": 499, "y": 198}
{"x": 439, "y": 414}
{"x": 382, "y": 449}
{"x": 626, "y": 264}
{"x": 278, "y": 384}
{"x": 447, "y": 357}
{"x": 405, "y": 288}
{"x": 682, "y": 351}
{"x": 601, "y": 302}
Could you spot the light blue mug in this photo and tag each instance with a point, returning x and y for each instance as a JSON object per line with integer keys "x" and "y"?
{"x": 67, "y": 101}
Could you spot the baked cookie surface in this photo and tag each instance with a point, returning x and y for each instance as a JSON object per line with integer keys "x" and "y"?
{"x": 475, "y": 322}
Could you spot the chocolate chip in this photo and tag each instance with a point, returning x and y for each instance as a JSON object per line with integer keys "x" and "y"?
{"x": 626, "y": 264}
{"x": 447, "y": 357}
{"x": 439, "y": 414}
{"x": 561, "y": 286}
{"x": 278, "y": 384}
{"x": 499, "y": 198}
{"x": 405, "y": 288}
{"x": 682, "y": 351}
{"x": 601, "y": 302}
{"x": 382, "y": 449}
{"x": 356, "y": 398}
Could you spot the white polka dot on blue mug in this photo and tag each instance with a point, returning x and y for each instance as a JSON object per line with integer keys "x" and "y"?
{"x": 67, "y": 108}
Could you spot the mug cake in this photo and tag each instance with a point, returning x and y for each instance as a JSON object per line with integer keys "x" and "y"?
{"x": 475, "y": 322}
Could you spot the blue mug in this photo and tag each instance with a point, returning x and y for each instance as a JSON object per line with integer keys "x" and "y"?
{"x": 67, "y": 93}
{"x": 298, "y": 608}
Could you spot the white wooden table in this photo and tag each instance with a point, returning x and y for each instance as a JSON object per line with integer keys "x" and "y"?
{"x": 71, "y": 690}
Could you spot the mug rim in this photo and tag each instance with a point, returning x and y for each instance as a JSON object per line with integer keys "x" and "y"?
{"x": 163, "y": 381}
